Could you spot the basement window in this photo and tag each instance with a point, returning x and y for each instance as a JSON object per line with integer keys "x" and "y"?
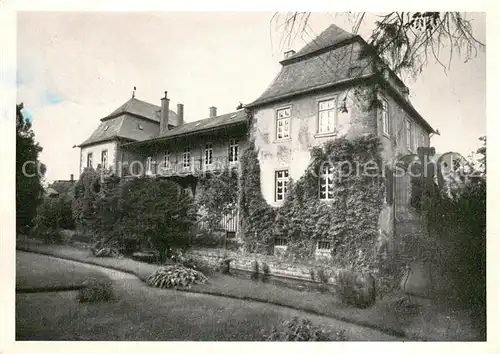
{"x": 324, "y": 245}
{"x": 280, "y": 242}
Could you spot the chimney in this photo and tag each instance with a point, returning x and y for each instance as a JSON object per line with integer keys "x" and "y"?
{"x": 164, "y": 114}
{"x": 180, "y": 114}
{"x": 71, "y": 177}
{"x": 289, "y": 53}
{"x": 213, "y": 112}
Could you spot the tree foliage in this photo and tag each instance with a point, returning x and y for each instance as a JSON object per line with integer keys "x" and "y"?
{"x": 84, "y": 206}
{"x": 48, "y": 222}
{"x": 29, "y": 172}
{"x": 156, "y": 212}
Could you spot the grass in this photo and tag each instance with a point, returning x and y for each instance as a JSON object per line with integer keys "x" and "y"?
{"x": 433, "y": 322}
{"x": 145, "y": 313}
{"x": 48, "y": 273}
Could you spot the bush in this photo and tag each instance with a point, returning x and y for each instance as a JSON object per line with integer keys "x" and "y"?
{"x": 265, "y": 272}
{"x": 106, "y": 252}
{"x": 199, "y": 265}
{"x": 255, "y": 273}
{"x": 96, "y": 291}
{"x": 225, "y": 265}
{"x": 322, "y": 275}
{"x": 205, "y": 238}
{"x": 303, "y": 330}
{"x": 355, "y": 289}
{"x": 174, "y": 276}
{"x": 48, "y": 221}
{"x": 311, "y": 273}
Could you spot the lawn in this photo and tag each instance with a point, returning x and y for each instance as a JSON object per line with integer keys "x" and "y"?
{"x": 430, "y": 322}
{"x": 42, "y": 272}
{"x": 152, "y": 314}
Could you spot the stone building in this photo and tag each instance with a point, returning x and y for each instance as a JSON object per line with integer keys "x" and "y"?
{"x": 322, "y": 92}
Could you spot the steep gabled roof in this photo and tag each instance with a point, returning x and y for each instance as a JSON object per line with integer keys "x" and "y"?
{"x": 124, "y": 127}
{"x": 332, "y": 57}
{"x": 330, "y": 37}
{"x": 119, "y": 124}
{"x": 138, "y": 108}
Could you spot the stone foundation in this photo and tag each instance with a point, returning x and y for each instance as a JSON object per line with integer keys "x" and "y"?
{"x": 277, "y": 266}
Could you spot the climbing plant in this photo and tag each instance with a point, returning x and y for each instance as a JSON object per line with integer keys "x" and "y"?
{"x": 348, "y": 219}
{"x": 218, "y": 197}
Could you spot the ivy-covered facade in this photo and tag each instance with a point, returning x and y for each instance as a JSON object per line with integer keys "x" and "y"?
{"x": 324, "y": 139}
{"x": 312, "y": 156}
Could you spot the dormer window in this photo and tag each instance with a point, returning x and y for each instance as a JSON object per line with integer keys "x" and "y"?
{"x": 106, "y": 127}
{"x": 140, "y": 127}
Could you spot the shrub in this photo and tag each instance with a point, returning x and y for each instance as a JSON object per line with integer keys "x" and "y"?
{"x": 158, "y": 213}
{"x": 355, "y": 289}
{"x": 311, "y": 273}
{"x": 225, "y": 265}
{"x": 322, "y": 275}
{"x": 265, "y": 272}
{"x": 96, "y": 291}
{"x": 303, "y": 330}
{"x": 106, "y": 252}
{"x": 48, "y": 221}
{"x": 255, "y": 273}
{"x": 174, "y": 276}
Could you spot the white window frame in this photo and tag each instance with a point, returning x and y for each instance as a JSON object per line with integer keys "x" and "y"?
{"x": 104, "y": 159}
{"x": 233, "y": 150}
{"x": 333, "y": 125}
{"x": 208, "y": 154}
{"x": 90, "y": 158}
{"x": 423, "y": 140}
{"x": 283, "y": 122}
{"x": 409, "y": 134}
{"x": 149, "y": 163}
{"x": 283, "y": 180}
{"x": 186, "y": 157}
{"x": 326, "y": 173}
{"x": 385, "y": 117}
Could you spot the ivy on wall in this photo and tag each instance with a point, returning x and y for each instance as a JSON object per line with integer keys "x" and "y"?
{"x": 349, "y": 219}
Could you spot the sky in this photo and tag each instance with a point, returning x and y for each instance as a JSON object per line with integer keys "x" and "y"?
{"x": 75, "y": 68}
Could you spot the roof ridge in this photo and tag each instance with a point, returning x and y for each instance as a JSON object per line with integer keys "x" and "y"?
{"x": 330, "y": 37}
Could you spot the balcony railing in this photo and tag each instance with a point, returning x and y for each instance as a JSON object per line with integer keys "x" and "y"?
{"x": 195, "y": 167}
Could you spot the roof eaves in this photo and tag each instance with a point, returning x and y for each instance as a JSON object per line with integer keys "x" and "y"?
{"x": 188, "y": 133}
{"x": 307, "y": 90}
{"x": 97, "y": 141}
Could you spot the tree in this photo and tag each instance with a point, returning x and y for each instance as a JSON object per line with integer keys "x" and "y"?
{"x": 84, "y": 205}
{"x": 404, "y": 40}
{"x": 157, "y": 213}
{"x": 29, "y": 173}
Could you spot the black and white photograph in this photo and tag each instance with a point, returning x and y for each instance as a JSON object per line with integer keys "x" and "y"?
{"x": 249, "y": 176}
